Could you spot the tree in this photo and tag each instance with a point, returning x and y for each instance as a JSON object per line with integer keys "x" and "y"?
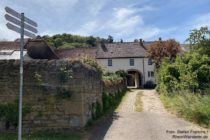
{"x": 136, "y": 40}
{"x": 110, "y": 39}
{"x": 190, "y": 70}
{"x": 91, "y": 41}
{"x": 199, "y": 40}
{"x": 121, "y": 40}
{"x": 163, "y": 49}
{"x": 58, "y": 42}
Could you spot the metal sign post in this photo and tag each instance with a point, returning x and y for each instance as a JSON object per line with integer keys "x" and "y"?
{"x": 19, "y": 20}
{"x": 21, "y": 78}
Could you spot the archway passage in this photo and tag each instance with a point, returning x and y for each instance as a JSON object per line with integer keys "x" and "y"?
{"x": 133, "y": 79}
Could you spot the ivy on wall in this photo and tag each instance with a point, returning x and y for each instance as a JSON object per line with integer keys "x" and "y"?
{"x": 64, "y": 75}
{"x": 9, "y": 113}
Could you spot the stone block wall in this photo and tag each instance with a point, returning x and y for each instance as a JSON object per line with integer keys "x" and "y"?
{"x": 115, "y": 86}
{"x": 47, "y": 91}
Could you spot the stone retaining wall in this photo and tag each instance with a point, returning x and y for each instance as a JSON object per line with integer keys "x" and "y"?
{"x": 47, "y": 91}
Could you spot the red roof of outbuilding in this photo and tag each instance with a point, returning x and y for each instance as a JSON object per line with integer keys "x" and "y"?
{"x": 9, "y": 45}
{"x": 77, "y": 52}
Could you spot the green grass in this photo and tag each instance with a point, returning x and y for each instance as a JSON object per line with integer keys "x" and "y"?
{"x": 44, "y": 135}
{"x": 193, "y": 107}
{"x": 138, "y": 102}
{"x": 119, "y": 106}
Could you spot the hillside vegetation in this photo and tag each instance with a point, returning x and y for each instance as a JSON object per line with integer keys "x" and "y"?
{"x": 184, "y": 83}
{"x": 64, "y": 40}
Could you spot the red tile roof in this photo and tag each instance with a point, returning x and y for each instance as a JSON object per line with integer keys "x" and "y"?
{"x": 77, "y": 52}
{"x": 9, "y": 45}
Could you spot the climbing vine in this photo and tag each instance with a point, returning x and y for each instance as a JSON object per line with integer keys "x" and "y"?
{"x": 40, "y": 81}
{"x": 64, "y": 74}
{"x": 9, "y": 113}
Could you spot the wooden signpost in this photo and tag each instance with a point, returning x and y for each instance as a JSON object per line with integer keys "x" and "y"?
{"x": 25, "y": 26}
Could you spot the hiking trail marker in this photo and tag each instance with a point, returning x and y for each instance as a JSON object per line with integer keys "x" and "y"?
{"x": 17, "y": 22}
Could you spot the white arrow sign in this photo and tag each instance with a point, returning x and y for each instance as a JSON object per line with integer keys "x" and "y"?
{"x": 17, "y": 22}
{"x": 18, "y": 30}
{"x": 18, "y": 15}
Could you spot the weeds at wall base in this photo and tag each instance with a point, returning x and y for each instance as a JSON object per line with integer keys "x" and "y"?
{"x": 109, "y": 104}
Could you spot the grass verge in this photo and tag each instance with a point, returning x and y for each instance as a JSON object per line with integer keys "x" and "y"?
{"x": 118, "y": 107}
{"x": 193, "y": 107}
{"x": 110, "y": 103}
{"x": 138, "y": 102}
{"x": 44, "y": 135}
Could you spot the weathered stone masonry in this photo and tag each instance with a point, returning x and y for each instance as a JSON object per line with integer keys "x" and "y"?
{"x": 48, "y": 110}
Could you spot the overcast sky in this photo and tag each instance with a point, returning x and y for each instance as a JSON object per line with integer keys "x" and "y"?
{"x": 126, "y": 19}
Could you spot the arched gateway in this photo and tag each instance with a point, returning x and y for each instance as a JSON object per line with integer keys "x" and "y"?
{"x": 134, "y": 79}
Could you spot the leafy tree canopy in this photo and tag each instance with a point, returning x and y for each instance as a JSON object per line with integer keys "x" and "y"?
{"x": 71, "y": 41}
{"x": 190, "y": 70}
{"x": 199, "y": 39}
{"x": 163, "y": 49}
{"x": 110, "y": 39}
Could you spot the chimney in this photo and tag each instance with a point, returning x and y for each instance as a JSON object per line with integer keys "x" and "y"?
{"x": 103, "y": 46}
{"x": 160, "y": 39}
{"x": 141, "y": 43}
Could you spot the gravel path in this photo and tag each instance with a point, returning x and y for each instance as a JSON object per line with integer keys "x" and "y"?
{"x": 128, "y": 103}
{"x": 154, "y": 123}
{"x": 151, "y": 102}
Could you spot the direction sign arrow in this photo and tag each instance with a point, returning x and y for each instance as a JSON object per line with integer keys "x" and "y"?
{"x": 18, "y": 15}
{"x": 18, "y": 30}
{"x": 17, "y": 22}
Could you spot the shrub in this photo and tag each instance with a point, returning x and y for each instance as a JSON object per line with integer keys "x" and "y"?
{"x": 105, "y": 100}
{"x": 92, "y": 62}
{"x": 111, "y": 79}
{"x": 112, "y": 100}
{"x": 190, "y": 71}
{"x": 121, "y": 73}
{"x": 193, "y": 107}
{"x": 9, "y": 113}
{"x": 149, "y": 85}
{"x": 63, "y": 93}
{"x": 64, "y": 73}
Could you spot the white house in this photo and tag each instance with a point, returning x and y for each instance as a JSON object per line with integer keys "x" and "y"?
{"x": 128, "y": 56}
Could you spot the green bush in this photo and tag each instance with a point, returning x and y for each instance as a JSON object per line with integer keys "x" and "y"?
{"x": 63, "y": 93}
{"x": 184, "y": 84}
{"x": 149, "y": 85}
{"x": 98, "y": 110}
{"x": 64, "y": 73}
{"x": 190, "y": 71}
{"x": 121, "y": 73}
{"x": 106, "y": 104}
{"x": 44, "y": 135}
{"x": 9, "y": 113}
{"x": 92, "y": 62}
{"x": 109, "y": 102}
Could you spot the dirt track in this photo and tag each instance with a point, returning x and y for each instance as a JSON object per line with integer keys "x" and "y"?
{"x": 154, "y": 123}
